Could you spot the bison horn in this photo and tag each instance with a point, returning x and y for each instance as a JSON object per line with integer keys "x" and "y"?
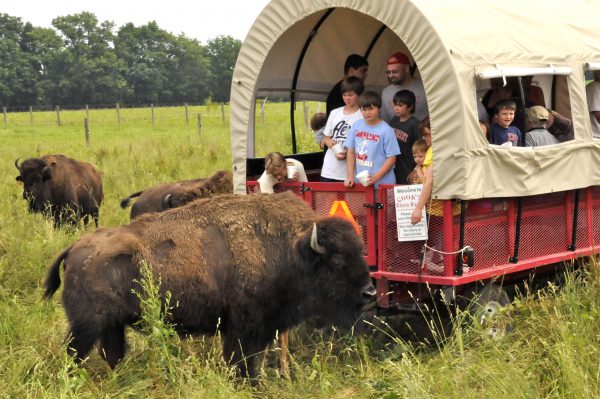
{"x": 17, "y": 164}
{"x": 314, "y": 243}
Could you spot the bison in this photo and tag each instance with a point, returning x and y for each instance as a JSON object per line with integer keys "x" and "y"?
{"x": 172, "y": 195}
{"x": 248, "y": 265}
{"x": 61, "y": 188}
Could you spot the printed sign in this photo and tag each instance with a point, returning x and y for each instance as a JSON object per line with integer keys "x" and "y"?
{"x": 405, "y": 200}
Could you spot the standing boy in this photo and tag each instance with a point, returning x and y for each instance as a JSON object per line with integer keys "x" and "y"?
{"x": 371, "y": 144}
{"x": 406, "y": 129}
{"x": 502, "y": 131}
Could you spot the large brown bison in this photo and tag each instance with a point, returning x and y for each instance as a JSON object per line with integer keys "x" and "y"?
{"x": 171, "y": 195}
{"x": 61, "y": 188}
{"x": 248, "y": 265}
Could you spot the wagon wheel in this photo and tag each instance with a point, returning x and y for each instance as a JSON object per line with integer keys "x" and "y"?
{"x": 487, "y": 308}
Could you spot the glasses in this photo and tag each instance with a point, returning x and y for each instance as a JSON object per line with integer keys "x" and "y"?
{"x": 392, "y": 72}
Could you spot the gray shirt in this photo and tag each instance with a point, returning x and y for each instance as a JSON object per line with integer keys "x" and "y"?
{"x": 539, "y": 137}
{"x": 387, "y": 97}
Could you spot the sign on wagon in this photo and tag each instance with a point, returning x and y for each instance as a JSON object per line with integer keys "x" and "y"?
{"x": 405, "y": 199}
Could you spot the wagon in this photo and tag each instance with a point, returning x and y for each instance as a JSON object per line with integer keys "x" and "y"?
{"x": 522, "y": 210}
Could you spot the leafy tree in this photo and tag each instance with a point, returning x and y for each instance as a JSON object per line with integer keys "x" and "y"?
{"x": 222, "y": 52}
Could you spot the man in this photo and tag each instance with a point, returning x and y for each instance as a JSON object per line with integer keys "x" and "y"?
{"x": 535, "y": 125}
{"x": 592, "y": 91}
{"x": 398, "y": 75}
{"x": 355, "y": 65}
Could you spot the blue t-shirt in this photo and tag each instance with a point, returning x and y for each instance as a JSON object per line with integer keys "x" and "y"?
{"x": 500, "y": 134}
{"x": 372, "y": 146}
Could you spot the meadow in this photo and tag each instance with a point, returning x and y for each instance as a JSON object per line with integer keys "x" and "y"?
{"x": 552, "y": 351}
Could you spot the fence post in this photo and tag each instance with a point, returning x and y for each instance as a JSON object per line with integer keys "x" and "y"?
{"x": 223, "y": 112}
{"x": 87, "y": 112}
{"x": 5, "y": 117}
{"x": 58, "y": 115}
{"x": 118, "y": 116}
{"x": 187, "y": 115}
{"x": 86, "y": 126}
{"x": 31, "y": 115}
{"x": 305, "y": 113}
{"x": 152, "y": 113}
{"x": 262, "y": 111}
{"x": 199, "y": 123}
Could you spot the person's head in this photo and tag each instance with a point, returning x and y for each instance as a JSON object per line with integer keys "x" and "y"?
{"x": 425, "y": 128}
{"x": 370, "y": 103}
{"x": 356, "y": 65}
{"x": 536, "y": 117}
{"x": 597, "y": 75}
{"x": 275, "y": 165}
{"x": 485, "y": 129}
{"x": 419, "y": 149}
{"x": 504, "y": 112}
{"x": 352, "y": 87}
{"x": 397, "y": 69}
{"x": 404, "y": 103}
{"x": 318, "y": 121}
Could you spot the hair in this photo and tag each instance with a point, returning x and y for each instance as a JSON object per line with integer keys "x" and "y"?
{"x": 317, "y": 121}
{"x": 354, "y": 61}
{"x": 370, "y": 99}
{"x": 406, "y": 97}
{"x": 274, "y": 160}
{"x": 505, "y": 104}
{"x": 483, "y": 125}
{"x": 352, "y": 83}
{"x": 420, "y": 146}
{"x": 425, "y": 123}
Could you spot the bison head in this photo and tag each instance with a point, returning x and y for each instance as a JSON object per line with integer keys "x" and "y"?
{"x": 34, "y": 173}
{"x": 343, "y": 289}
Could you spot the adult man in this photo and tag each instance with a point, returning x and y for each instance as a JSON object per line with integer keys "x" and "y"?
{"x": 535, "y": 123}
{"x": 398, "y": 75}
{"x": 355, "y": 65}
{"x": 592, "y": 91}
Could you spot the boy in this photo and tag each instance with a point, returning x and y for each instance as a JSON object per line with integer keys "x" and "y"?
{"x": 502, "y": 131}
{"x": 419, "y": 149}
{"x": 338, "y": 124}
{"x": 406, "y": 128}
{"x": 317, "y": 126}
{"x": 371, "y": 144}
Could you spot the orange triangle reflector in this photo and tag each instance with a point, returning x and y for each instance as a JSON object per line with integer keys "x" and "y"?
{"x": 340, "y": 209}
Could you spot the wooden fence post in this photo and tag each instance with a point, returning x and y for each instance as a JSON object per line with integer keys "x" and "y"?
{"x": 152, "y": 113}
{"x": 223, "y": 112}
{"x": 58, "y": 115}
{"x": 118, "y": 116}
{"x": 5, "y": 116}
{"x": 199, "y": 123}
{"x": 31, "y": 115}
{"x": 86, "y": 126}
{"x": 305, "y": 113}
{"x": 262, "y": 111}
{"x": 187, "y": 115}
{"x": 87, "y": 112}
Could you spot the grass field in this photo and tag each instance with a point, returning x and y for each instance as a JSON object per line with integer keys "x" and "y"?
{"x": 552, "y": 352}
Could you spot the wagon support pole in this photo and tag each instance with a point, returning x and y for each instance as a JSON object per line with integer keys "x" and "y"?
{"x": 515, "y": 257}
{"x": 573, "y": 245}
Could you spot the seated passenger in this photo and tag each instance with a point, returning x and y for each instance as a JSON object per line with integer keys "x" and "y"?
{"x": 276, "y": 172}
{"x": 536, "y": 134}
{"x": 502, "y": 131}
{"x": 406, "y": 129}
{"x": 317, "y": 125}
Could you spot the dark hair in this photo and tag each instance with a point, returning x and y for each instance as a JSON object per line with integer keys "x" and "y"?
{"x": 505, "y": 104}
{"x": 370, "y": 99}
{"x": 354, "y": 61}
{"x": 352, "y": 83}
{"x": 318, "y": 120}
{"x": 406, "y": 97}
{"x": 425, "y": 123}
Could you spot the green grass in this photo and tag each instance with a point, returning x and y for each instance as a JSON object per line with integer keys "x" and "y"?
{"x": 552, "y": 352}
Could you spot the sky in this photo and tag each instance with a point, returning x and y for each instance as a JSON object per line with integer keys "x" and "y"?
{"x": 200, "y": 19}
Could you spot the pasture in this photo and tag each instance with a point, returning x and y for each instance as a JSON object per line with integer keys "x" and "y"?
{"x": 551, "y": 353}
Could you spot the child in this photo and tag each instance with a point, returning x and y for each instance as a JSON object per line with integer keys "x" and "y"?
{"x": 317, "y": 125}
{"x": 276, "y": 171}
{"x": 406, "y": 128}
{"x": 338, "y": 124}
{"x": 371, "y": 145}
{"x": 419, "y": 149}
{"x": 502, "y": 131}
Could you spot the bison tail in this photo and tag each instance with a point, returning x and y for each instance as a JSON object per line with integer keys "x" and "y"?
{"x": 53, "y": 278}
{"x": 125, "y": 201}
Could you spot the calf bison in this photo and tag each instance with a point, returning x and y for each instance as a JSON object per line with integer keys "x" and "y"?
{"x": 61, "y": 188}
{"x": 248, "y": 265}
{"x": 172, "y": 195}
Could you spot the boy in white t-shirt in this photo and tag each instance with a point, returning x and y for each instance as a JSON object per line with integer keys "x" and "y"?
{"x": 338, "y": 124}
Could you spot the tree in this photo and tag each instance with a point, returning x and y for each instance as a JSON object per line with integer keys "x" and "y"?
{"x": 222, "y": 53}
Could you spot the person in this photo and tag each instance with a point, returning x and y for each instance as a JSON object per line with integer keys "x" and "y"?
{"x": 398, "y": 75}
{"x": 355, "y": 65}
{"x": 537, "y": 135}
{"x": 560, "y": 126}
{"x": 533, "y": 93}
{"x": 502, "y": 130}
{"x": 317, "y": 126}
{"x": 592, "y": 91}
{"x": 276, "y": 172}
{"x": 371, "y": 145}
{"x": 406, "y": 129}
{"x": 419, "y": 149}
{"x": 339, "y": 122}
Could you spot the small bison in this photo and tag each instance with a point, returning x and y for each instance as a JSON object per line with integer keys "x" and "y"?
{"x": 61, "y": 188}
{"x": 249, "y": 265}
{"x": 172, "y": 195}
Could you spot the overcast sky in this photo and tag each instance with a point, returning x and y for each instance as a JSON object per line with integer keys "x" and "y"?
{"x": 202, "y": 20}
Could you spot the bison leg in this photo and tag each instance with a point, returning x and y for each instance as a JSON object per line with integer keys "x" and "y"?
{"x": 112, "y": 344}
{"x": 243, "y": 355}
{"x": 284, "y": 365}
{"x": 82, "y": 339}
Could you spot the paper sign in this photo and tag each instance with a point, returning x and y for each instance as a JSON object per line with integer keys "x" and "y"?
{"x": 405, "y": 200}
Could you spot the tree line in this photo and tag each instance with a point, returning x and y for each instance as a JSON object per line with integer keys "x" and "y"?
{"x": 85, "y": 61}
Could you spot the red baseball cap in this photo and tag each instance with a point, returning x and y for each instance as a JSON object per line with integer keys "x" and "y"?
{"x": 398, "y": 58}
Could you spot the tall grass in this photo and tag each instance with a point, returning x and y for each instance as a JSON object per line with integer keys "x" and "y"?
{"x": 551, "y": 353}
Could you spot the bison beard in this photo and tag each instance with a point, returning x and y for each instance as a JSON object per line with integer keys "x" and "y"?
{"x": 246, "y": 261}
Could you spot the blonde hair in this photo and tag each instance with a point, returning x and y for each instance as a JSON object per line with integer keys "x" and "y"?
{"x": 274, "y": 160}
{"x": 420, "y": 146}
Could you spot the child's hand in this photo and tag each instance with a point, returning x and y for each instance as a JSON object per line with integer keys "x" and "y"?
{"x": 296, "y": 176}
{"x": 416, "y": 216}
{"x": 349, "y": 182}
{"x": 341, "y": 156}
{"x": 412, "y": 177}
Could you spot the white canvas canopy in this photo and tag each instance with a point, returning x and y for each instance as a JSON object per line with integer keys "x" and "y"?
{"x": 301, "y": 45}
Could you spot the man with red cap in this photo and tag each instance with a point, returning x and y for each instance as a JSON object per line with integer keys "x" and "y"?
{"x": 398, "y": 75}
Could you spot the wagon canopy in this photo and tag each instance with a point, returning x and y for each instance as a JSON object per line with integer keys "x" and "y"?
{"x": 299, "y": 47}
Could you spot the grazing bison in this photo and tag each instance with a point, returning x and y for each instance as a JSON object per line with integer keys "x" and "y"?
{"x": 61, "y": 188}
{"x": 249, "y": 265}
{"x": 172, "y": 195}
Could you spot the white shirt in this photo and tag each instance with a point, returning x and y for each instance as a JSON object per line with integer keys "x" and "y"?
{"x": 338, "y": 125}
{"x": 592, "y": 91}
